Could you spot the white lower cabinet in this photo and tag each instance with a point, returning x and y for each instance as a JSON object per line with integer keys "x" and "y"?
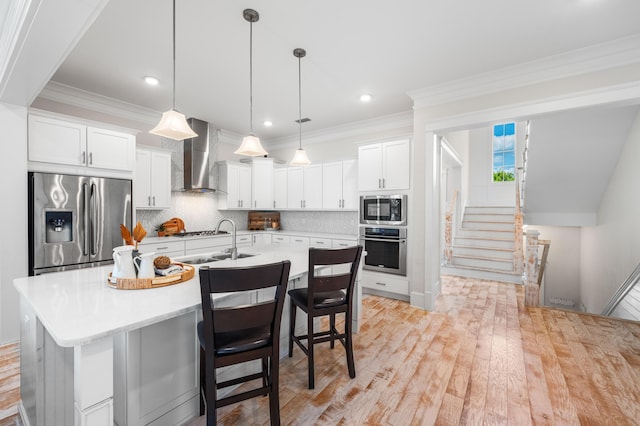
{"x": 207, "y": 245}
{"x": 244, "y": 240}
{"x": 156, "y": 373}
{"x": 166, "y": 248}
{"x": 280, "y": 239}
{"x": 261, "y": 239}
{"x": 385, "y": 285}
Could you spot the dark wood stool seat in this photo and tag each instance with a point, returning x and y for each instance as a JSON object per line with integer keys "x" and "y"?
{"x": 247, "y": 331}
{"x": 326, "y": 295}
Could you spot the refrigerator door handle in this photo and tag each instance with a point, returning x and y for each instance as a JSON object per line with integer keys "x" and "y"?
{"x": 85, "y": 219}
{"x": 93, "y": 221}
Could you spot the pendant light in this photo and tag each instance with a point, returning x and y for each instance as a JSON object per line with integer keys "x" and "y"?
{"x": 173, "y": 124}
{"x": 251, "y": 144}
{"x": 300, "y": 158}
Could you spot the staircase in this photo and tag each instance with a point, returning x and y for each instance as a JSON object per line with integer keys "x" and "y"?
{"x": 484, "y": 246}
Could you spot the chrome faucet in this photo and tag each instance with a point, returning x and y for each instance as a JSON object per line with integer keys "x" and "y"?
{"x": 234, "y": 249}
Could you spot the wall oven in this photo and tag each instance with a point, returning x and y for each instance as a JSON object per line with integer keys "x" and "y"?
{"x": 386, "y": 249}
{"x": 383, "y": 210}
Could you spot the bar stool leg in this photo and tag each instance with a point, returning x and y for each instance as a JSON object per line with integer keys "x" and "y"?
{"x": 292, "y": 326}
{"x": 348, "y": 327}
{"x": 310, "y": 349}
{"x": 332, "y": 327}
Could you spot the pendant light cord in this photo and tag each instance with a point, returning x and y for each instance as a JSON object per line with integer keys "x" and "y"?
{"x": 300, "y": 103}
{"x": 173, "y": 90}
{"x": 250, "y": 77}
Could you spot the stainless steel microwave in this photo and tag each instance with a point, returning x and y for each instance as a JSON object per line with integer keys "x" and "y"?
{"x": 383, "y": 210}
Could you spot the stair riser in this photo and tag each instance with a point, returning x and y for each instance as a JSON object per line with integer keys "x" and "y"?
{"x": 506, "y": 218}
{"x": 493, "y": 276}
{"x": 482, "y": 252}
{"x": 479, "y": 233}
{"x": 506, "y": 266}
{"x": 461, "y": 241}
{"x": 490, "y": 210}
{"x": 493, "y": 226}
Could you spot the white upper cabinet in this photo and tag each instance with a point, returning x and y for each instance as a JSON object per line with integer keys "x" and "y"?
{"x": 280, "y": 188}
{"x": 152, "y": 183}
{"x": 340, "y": 185}
{"x": 56, "y": 141}
{"x": 262, "y": 183}
{"x": 235, "y": 186}
{"x": 384, "y": 166}
{"x": 304, "y": 187}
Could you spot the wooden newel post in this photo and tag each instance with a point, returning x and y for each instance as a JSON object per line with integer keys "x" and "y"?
{"x": 531, "y": 287}
{"x": 518, "y": 257}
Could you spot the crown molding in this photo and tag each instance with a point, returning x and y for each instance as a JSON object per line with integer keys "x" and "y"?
{"x": 620, "y": 94}
{"x": 228, "y": 137}
{"x": 617, "y": 53}
{"x": 393, "y": 122}
{"x": 69, "y": 95}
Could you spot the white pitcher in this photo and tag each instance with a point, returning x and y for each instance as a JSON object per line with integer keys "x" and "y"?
{"x": 144, "y": 264}
{"x": 123, "y": 263}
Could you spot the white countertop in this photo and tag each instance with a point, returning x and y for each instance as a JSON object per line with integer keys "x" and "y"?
{"x": 150, "y": 240}
{"x": 77, "y": 307}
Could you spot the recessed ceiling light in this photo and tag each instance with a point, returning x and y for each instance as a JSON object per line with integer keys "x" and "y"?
{"x": 151, "y": 81}
{"x": 365, "y": 98}
{"x": 268, "y": 123}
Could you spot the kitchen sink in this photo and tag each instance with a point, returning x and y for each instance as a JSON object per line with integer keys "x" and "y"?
{"x": 213, "y": 258}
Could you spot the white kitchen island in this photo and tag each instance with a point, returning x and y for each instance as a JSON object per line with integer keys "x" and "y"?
{"x": 94, "y": 355}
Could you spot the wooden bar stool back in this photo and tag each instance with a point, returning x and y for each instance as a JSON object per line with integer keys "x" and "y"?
{"x": 243, "y": 332}
{"x": 328, "y": 293}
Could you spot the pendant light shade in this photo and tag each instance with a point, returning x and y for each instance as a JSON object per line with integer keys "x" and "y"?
{"x": 251, "y": 145}
{"x": 300, "y": 158}
{"x": 173, "y": 124}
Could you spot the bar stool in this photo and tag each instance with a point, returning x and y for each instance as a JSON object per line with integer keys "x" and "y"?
{"x": 326, "y": 295}
{"x": 236, "y": 334}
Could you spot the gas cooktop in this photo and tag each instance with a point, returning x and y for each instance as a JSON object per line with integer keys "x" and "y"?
{"x": 198, "y": 233}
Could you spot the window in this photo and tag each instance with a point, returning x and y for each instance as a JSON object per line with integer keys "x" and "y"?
{"x": 504, "y": 152}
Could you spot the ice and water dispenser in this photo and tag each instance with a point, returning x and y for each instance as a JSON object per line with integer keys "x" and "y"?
{"x": 59, "y": 226}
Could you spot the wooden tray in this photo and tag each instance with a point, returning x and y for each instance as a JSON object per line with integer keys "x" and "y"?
{"x": 142, "y": 283}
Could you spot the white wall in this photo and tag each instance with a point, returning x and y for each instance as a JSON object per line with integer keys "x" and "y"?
{"x": 13, "y": 243}
{"x": 611, "y": 249}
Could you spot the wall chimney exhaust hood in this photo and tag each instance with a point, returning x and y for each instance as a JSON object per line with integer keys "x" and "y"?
{"x": 196, "y": 158}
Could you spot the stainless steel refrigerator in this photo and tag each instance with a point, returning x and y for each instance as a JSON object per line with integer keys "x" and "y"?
{"x": 74, "y": 221}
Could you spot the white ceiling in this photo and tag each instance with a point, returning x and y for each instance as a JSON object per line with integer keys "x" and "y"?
{"x": 381, "y": 47}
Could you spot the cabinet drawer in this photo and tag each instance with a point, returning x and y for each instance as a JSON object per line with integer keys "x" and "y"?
{"x": 384, "y": 283}
{"x": 343, "y": 243}
{"x": 320, "y": 242}
{"x": 244, "y": 239}
{"x": 173, "y": 247}
{"x": 280, "y": 239}
{"x": 299, "y": 241}
{"x": 204, "y": 243}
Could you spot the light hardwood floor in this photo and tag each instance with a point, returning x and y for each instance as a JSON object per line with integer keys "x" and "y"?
{"x": 480, "y": 358}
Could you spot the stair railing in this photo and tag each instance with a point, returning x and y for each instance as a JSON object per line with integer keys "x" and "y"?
{"x": 534, "y": 267}
{"x": 518, "y": 256}
{"x": 624, "y": 289}
{"x": 448, "y": 229}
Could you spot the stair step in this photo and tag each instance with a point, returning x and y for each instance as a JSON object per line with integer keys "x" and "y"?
{"x": 471, "y": 272}
{"x": 486, "y": 233}
{"x": 483, "y": 252}
{"x": 489, "y": 263}
{"x": 490, "y": 217}
{"x": 503, "y": 243}
{"x": 489, "y": 226}
{"x": 490, "y": 209}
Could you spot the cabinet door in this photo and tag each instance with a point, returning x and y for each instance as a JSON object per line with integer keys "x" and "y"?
{"x": 370, "y": 167}
{"x": 350, "y": 185}
{"x": 107, "y": 149}
{"x": 142, "y": 181}
{"x": 160, "y": 180}
{"x": 332, "y": 186}
{"x": 312, "y": 183}
{"x": 295, "y": 187}
{"x": 396, "y": 164}
{"x": 280, "y": 188}
{"x": 57, "y": 141}
{"x": 244, "y": 187}
{"x": 262, "y": 184}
